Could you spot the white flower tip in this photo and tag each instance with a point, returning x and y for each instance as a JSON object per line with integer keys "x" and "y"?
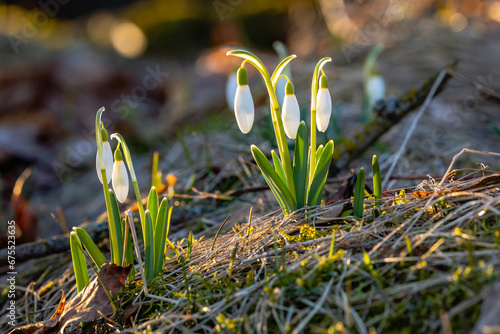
{"x": 120, "y": 181}
{"x": 107, "y": 162}
{"x": 323, "y": 109}
{"x": 291, "y": 115}
{"x": 244, "y": 108}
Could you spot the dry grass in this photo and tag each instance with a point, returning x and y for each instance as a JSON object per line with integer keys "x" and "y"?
{"x": 400, "y": 269}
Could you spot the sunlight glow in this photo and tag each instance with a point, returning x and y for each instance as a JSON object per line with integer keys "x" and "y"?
{"x": 494, "y": 11}
{"x": 128, "y": 40}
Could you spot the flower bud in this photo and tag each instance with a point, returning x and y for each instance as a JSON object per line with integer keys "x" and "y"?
{"x": 375, "y": 88}
{"x": 323, "y": 105}
{"x": 120, "y": 177}
{"x": 291, "y": 112}
{"x": 244, "y": 109}
{"x": 107, "y": 157}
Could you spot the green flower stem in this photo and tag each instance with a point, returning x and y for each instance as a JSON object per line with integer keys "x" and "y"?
{"x": 314, "y": 95}
{"x": 130, "y": 166}
{"x": 277, "y": 79}
{"x": 107, "y": 199}
{"x": 275, "y": 109}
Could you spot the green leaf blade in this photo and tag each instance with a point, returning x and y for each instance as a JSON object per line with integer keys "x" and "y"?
{"x": 319, "y": 151}
{"x": 149, "y": 247}
{"x": 152, "y": 205}
{"x": 115, "y": 231}
{"x": 160, "y": 235}
{"x": 278, "y": 167}
{"x": 280, "y": 190}
{"x": 320, "y": 175}
{"x": 79, "y": 264}
{"x": 300, "y": 167}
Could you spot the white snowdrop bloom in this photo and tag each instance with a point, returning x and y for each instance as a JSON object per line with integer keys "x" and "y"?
{"x": 107, "y": 155}
{"x": 231, "y": 85}
{"x": 244, "y": 108}
{"x": 291, "y": 112}
{"x": 323, "y": 105}
{"x": 376, "y": 89}
{"x": 120, "y": 177}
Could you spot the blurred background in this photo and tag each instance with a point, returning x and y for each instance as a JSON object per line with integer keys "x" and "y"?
{"x": 160, "y": 70}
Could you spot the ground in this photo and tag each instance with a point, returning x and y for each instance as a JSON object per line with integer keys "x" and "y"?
{"x": 283, "y": 276}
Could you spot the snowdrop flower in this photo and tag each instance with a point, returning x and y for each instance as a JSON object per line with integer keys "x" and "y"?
{"x": 323, "y": 105}
{"x": 120, "y": 177}
{"x": 291, "y": 112}
{"x": 375, "y": 88}
{"x": 244, "y": 109}
{"x": 107, "y": 155}
{"x": 231, "y": 86}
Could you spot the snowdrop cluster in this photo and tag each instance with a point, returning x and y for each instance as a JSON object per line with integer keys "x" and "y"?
{"x": 155, "y": 220}
{"x": 302, "y": 184}
{"x": 244, "y": 108}
{"x": 116, "y": 172}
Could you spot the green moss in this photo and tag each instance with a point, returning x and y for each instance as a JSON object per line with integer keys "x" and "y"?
{"x": 306, "y": 233}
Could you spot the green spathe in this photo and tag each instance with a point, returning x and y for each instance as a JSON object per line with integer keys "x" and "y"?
{"x": 242, "y": 77}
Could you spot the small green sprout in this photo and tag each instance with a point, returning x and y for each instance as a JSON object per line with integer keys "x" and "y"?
{"x": 90, "y": 246}
{"x": 377, "y": 180}
{"x": 156, "y": 173}
{"x": 359, "y": 195}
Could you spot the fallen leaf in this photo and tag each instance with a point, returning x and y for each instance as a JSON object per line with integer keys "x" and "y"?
{"x": 93, "y": 302}
{"x": 90, "y": 304}
{"x": 43, "y": 326}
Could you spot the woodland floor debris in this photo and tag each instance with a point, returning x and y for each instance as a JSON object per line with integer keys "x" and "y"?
{"x": 258, "y": 277}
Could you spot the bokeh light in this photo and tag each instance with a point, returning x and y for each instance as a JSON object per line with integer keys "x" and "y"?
{"x": 458, "y": 22}
{"x": 128, "y": 40}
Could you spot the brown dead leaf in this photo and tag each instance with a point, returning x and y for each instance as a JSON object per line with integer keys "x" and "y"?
{"x": 334, "y": 211}
{"x": 43, "y": 326}
{"x": 90, "y": 304}
{"x": 93, "y": 302}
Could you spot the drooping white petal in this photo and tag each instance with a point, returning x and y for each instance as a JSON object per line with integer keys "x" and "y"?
{"x": 244, "y": 109}
{"x": 231, "y": 85}
{"x": 291, "y": 115}
{"x": 323, "y": 109}
{"x": 376, "y": 89}
{"x": 108, "y": 161}
{"x": 120, "y": 181}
